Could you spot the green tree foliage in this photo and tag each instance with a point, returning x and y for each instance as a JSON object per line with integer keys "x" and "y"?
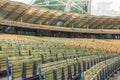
{"x": 38, "y": 1}
{"x": 73, "y": 9}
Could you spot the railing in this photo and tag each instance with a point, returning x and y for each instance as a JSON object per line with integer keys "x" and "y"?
{"x": 104, "y": 68}
{"x": 57, "y": 28}
{"x": 15, "y": 23}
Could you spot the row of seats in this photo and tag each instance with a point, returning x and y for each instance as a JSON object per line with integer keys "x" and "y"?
{"x": 21, "y": 59}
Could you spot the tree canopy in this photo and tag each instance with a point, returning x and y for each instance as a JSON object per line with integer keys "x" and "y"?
{"x": 53, "y": 5}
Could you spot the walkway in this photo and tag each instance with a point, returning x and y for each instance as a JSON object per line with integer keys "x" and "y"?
{"x": 116, "y": 76}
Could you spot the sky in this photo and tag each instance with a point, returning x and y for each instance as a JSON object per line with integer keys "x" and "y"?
{"x": 115, "y": 3}
{"x": 114, "y": 6}
{"x": 24, "y": 1}
{"x": 113, "y": 11}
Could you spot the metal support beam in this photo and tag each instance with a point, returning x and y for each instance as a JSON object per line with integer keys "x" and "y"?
{"x": 41, "y": 16}
{"x": 4, "y": 6}
{"x": 32, "y": 15}
{"x": 12, "y": 11}
{"x": 22, "y": 13}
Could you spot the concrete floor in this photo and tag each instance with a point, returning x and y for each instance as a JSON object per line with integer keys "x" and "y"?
{"x": 116, "y": 76}
{"x": 4, "y": 78}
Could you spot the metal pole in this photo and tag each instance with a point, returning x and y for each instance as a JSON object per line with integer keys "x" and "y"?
{"x": 68, "y": 5}
{"x": 89, "y": 6}
{"x": 40, "y": 72}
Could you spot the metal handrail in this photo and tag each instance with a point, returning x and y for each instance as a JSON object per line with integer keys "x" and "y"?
{"x": 15, "y": 23}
